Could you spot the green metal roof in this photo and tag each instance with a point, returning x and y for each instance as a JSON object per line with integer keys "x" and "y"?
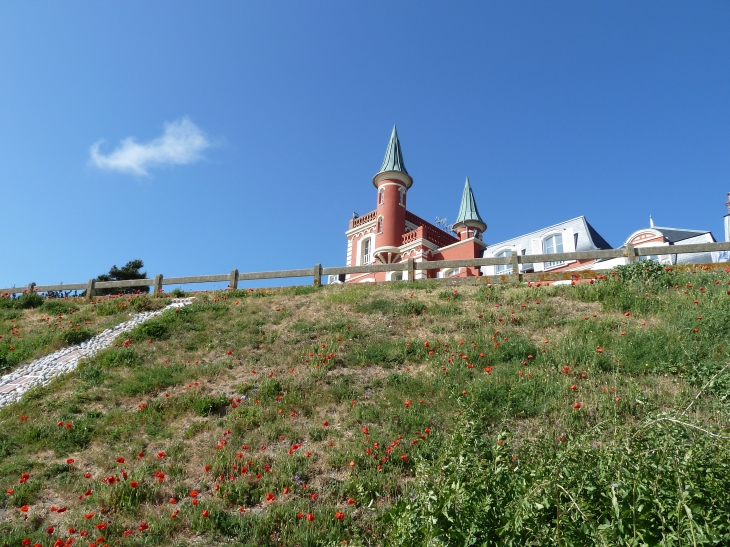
{"x": 468, "y": 210}
{"x": 393, "y": 156}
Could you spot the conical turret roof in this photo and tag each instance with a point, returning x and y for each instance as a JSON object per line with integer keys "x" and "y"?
{"x": 468, "y": 212}
{"x": 393, "y": 160}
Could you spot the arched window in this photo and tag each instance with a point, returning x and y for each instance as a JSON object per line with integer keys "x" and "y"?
{"x": 503, "y": 268}
{"x": 381, "y": 196}
{"x": 552, "y": 245}
{"x": 380, "y": 225}
{"x": 365, "y": 252}
{"x": 402, "y": 196}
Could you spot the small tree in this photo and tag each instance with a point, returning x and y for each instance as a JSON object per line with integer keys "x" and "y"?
{"x": 131, "y": 270}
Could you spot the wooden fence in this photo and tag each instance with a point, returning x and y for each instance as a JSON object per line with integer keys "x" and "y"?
{"x": 630, "y": 252}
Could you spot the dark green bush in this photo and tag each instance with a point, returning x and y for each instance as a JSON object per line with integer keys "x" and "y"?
{"x": 206, "y": 405}
{"x": 73, "y": 337}
{"x": 58, "y": 307}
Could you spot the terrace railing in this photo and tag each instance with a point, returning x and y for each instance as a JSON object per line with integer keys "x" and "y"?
{"x": 631, "y": 253}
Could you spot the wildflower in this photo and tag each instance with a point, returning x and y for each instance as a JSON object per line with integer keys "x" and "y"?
{"x": 310, "y": 517}
{"x": 339, "y": 516}
{"x": 120, "y": 460}
{"x": 576, "y": 405}
{"x": 206, "y": 514}
{"x": 70, "y": 461}
{"x": 270, "y": 497}
{"x": 134, "y": 484}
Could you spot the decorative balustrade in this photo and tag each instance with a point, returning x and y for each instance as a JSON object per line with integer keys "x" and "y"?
{"x": 429, "y": 232}
{"x": 364, "y": 219}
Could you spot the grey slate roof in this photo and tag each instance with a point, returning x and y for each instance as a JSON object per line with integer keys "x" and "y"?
{"x": 468, "y": 208}
{"x": 588, "y": 238}
{"x": 674, "y": 235}
{"x": 393, "y": 160}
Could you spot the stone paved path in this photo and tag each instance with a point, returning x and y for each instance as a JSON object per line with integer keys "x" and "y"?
{"x": 43, "y": 370}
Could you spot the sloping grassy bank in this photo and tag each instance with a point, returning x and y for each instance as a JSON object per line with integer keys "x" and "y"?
{"x": 391, "y": 414}
{"x": 32, "y": 326}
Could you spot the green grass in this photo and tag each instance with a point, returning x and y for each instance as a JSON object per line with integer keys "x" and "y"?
{"x": 32, "y": 326}
{"x": 556, "y": 415}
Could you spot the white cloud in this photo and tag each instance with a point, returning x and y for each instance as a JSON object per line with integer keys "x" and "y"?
{"x": 180, "y": 144}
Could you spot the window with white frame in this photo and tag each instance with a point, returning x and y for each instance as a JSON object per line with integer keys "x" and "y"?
{"x": 380, "y": 225}
{"x": 365, "y": 251}
{"x": 402, "y": 196}
{"x": 381, "y": 196}
{"x": 552, "y": 245}
{"x": 503, "y": 268}
{"x": 451, "y": 273}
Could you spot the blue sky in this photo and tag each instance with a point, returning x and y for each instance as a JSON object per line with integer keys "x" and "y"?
{"x": 206, "y": 136}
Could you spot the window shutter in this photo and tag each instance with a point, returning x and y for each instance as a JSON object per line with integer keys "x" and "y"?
{"x": 568, "y": 241}
{"x": 537, "y": 250}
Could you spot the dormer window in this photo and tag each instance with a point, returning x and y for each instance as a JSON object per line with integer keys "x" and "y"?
{"x": 552, "y": 245}
{"x": 503, "y": 268}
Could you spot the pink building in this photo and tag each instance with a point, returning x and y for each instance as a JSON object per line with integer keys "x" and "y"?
{"x": 392, "y": 234}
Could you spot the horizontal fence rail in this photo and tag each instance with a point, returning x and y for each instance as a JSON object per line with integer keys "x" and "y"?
{"x": 629, "y": 252}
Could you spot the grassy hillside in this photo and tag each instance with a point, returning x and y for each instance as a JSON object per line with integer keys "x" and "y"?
{"x": 31, "y": 326}
{"x": 406, "y": 413}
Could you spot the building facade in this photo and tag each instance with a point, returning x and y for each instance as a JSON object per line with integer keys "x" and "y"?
{"x": 392, "y": 234}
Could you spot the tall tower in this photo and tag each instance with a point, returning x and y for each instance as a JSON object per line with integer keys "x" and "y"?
{"x": 468, "y": 222}
{"x": 392, "y": 182}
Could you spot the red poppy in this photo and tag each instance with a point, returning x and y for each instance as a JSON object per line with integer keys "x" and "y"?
{"x": 339, "y": 516}
{"x": 270, "y": 497}
{"x": 576, "y": 405}
{"x": 206, "y": 514}
{"x": 120, "y": 460}
{"x": 310, "y": 517}
{"x": 134, "y": 484}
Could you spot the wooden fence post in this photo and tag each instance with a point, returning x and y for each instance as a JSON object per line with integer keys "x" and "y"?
{"x": 516, "y": 265}
{"x": 317, "y": 275}
{"x": 90, "y": 289}
{"x": 158, "y": 283}
{"x": 631, "y": 253}
{"x": 411, "y": 269}
{"x": 233, "y": 283}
